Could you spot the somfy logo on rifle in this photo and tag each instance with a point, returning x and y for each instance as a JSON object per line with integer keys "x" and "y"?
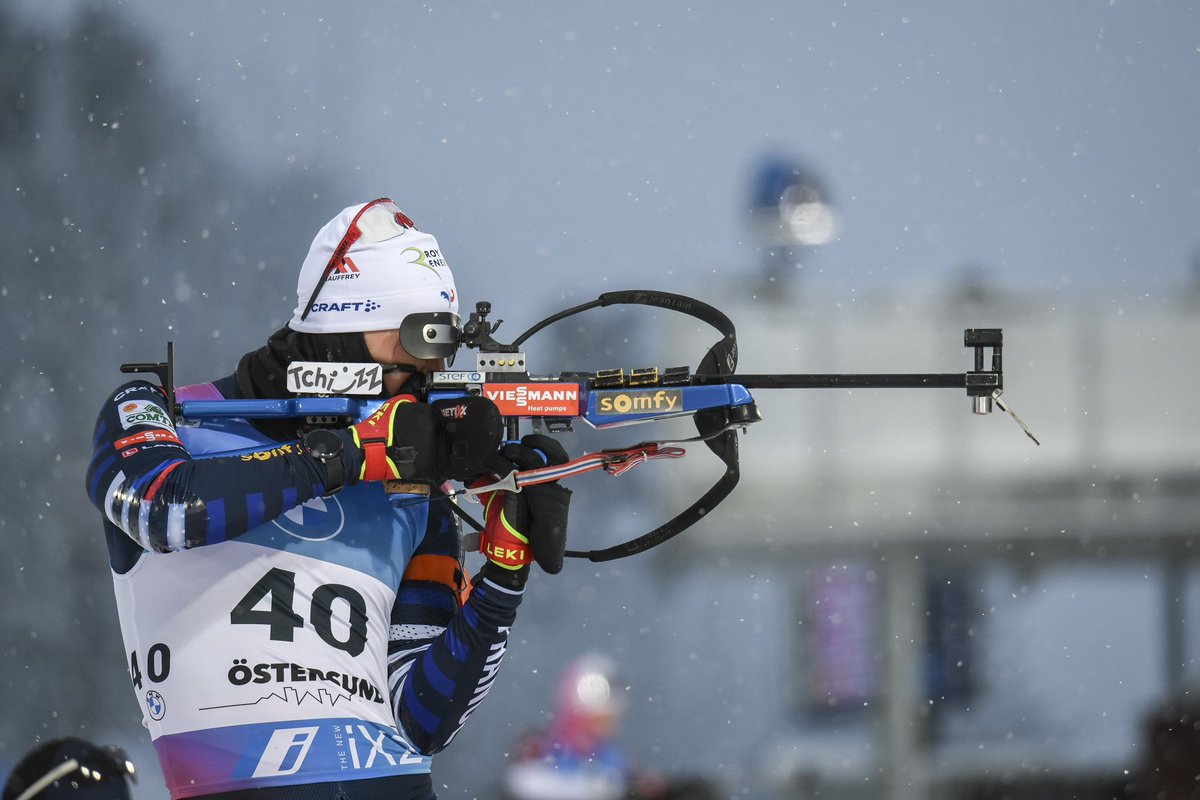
{"x": 648, "y": 401}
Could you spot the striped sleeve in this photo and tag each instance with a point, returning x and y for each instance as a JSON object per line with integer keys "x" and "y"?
{"x": 442, "y": 657}
{"x": 144, "y": 481}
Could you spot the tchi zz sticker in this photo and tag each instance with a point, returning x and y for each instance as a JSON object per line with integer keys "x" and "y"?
{"x": 317, "y": 377}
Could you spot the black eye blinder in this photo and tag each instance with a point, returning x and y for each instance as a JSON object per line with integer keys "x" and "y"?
{"x": 430, "y": 335}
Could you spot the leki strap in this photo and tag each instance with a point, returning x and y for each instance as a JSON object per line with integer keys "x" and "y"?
{"x": 501, "y": 543}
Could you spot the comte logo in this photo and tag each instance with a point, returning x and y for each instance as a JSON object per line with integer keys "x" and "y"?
{"x": 144, "y": 412}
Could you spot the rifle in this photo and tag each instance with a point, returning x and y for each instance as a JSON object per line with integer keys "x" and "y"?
{"x": 713, "y": 394}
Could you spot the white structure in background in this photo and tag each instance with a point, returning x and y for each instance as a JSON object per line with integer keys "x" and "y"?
{"x": 1081, "y": 554}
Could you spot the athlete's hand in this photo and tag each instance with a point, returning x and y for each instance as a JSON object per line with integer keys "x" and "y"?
{"x": 435, "y": 442}
{"x": 530, "y": 525}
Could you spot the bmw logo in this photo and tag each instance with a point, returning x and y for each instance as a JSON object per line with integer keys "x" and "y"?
{"x": 155, "y": 705}
{"x": 317, "y": 520}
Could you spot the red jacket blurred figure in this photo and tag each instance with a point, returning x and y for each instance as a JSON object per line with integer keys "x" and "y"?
{"x": 578, "y": 756}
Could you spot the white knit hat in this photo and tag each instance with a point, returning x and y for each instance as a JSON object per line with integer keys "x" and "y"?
{"x": 373, "y": 268}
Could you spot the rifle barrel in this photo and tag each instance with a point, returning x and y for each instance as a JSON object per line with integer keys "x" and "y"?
{"x": 954, "y": 380}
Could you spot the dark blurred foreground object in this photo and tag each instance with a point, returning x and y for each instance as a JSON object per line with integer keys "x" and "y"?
{"x": 681, "y": 788}
{"x": 1172, "y": 770}
{"x": 71, "y": 769}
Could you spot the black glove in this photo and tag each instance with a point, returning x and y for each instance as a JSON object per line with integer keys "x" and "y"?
{"x": 448, "y": 439}
{"x": 530, "y": 525}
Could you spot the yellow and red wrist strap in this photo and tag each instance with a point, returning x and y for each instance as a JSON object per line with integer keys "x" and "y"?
{"x": 501, "y": 543}
{"x": 373, "y": 436}
{"x": 376, "y": 464}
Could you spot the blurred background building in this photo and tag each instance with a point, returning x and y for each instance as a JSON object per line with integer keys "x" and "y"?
{"x": 901, "y": 600}
{"x": 952, "y": 611}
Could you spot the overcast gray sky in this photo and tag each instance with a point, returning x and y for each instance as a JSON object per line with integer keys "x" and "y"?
{"x": 559, "y": 150}
{"x": 613, "y": 142}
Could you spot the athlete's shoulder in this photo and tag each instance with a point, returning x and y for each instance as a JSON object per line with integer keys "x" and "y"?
{"x": 142, "y": 389}
{"x": 134, "y": 404}
{"x": 135, "y": 390}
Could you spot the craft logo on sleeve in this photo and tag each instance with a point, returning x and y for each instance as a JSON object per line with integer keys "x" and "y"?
{"x": 144, "y": 412}
{"x": 121, "y": 395}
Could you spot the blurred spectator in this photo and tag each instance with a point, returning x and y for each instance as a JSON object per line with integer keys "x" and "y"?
{"x": 791, "y": 213}
{"x": 579, "y": 756}
{"x": 71, "y": 769}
